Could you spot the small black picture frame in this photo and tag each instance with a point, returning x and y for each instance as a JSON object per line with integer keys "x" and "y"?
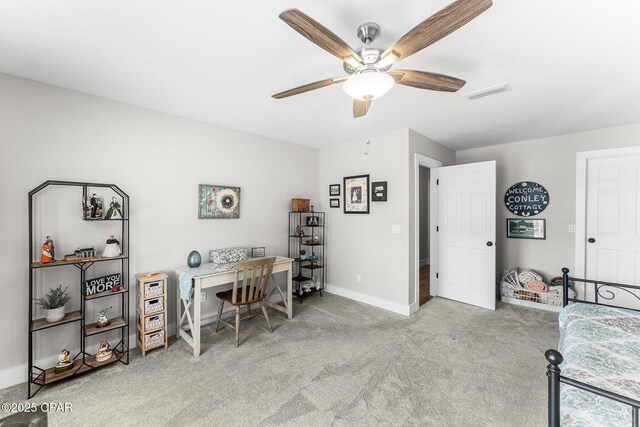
{"x": 334, "y": 190}
{"x": 334, "y": 203}
{"x": 379, "y": 191}
{"x": 527, "y": 228}
{"x": 258, "y": 252}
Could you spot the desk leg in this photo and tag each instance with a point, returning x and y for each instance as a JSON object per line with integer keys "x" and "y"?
{"x": 289, "y": 292}
{"x": 197, "y": 306}
{"x": 178, "y": 309}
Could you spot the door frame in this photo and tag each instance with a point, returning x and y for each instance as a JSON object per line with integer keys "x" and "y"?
{"x": 582, "y": 160}
{"x": 433, "y": 165}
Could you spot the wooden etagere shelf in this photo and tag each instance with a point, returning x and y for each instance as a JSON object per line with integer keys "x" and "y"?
{"x": 309, "y": 272}
{"x": 82, "y": 362}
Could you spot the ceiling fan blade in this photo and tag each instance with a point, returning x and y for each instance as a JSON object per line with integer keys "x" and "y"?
{"x": 320, "y": 35}
{"x": 425, "y": 80}
{"x": 437, "y": 27}
{"x": 361, "y": 107}
{"x": 309, "y": 87}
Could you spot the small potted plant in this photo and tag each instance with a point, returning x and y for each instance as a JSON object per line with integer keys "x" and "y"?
{"x": 53, "y": 303}
{"x": 303, "y": 253}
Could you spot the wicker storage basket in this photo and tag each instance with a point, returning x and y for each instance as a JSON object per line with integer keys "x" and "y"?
{"x": 153, "y": 289}
{"x": 153, "y": 322}
{"x": 511, "y": 287}
{"x": 153, "y": 340}
{"x": 152, "y": 305}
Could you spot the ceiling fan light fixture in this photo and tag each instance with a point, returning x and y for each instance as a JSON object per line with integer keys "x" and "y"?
{"x": 368, "y": 84}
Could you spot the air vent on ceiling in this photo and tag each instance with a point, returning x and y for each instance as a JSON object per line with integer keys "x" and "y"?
{"x": 493, "y": 90}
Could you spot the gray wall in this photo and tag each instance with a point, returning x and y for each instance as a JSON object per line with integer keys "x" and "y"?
{"x": 422, "y": 145}
{"x": 53, "y": 133}
{"x": 425, "y": 175}
{"x": 552, "y": 163}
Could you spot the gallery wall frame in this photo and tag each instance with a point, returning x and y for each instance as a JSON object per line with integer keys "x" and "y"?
{"x": 356, "y": 194}
{"x": 527, "y": 228}
{"x": 379, "y": 191}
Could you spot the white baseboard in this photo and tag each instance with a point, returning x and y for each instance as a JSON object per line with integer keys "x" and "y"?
{"x": 12, "y": 376}
{"x": 405, "y": 310}
{"x": 424, "y": 262}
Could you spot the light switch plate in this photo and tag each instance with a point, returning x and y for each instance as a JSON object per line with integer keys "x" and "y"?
{"x": 395, "y": 229}
{"x": 572, "y": 228}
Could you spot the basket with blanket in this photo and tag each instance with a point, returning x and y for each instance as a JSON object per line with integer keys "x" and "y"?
{"x": 527, "y": 285}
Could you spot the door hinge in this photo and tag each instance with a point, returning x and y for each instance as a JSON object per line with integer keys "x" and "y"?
{"x": 436, "y": 275}
{"x": 437, "y": 228}
{"x": 437, "y": 182}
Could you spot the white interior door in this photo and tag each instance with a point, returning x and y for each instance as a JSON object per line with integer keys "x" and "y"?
{"x": 613, "y": 219}
{"x": 467, "y": 233}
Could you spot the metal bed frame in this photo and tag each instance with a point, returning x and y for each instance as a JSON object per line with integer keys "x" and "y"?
{"x": 555, "y": 359}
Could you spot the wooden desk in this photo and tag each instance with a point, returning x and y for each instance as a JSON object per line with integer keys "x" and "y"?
{"x": 210, "y": 279}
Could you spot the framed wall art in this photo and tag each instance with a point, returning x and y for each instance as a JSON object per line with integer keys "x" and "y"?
{"x": 379, "y": 191}
{"x": 218, "y": 202}
{"x": 356, "y": 194}
{"x": 334, "y": 203}
{"x": 334, "y": 190}
{"x": 520, "y": 228}
{"x": 526, "y": 198}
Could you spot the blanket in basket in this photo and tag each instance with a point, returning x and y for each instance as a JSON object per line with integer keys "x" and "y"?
{"x": 601, "y": 347}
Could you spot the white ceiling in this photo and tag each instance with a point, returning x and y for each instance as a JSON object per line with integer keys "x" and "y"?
{"x": 574, "y": 65}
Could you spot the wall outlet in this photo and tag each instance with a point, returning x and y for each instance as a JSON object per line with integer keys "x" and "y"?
{"x": 203, "y": 296}
{"x": 358, "y": 278}
{"x": 572, "y": 228}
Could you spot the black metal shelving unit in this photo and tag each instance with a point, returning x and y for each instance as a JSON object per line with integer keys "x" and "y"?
{"x": 305, "y": 271}
{"x": 83, "y": 361}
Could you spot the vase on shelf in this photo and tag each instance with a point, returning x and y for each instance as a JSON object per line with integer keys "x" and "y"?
{"x": 194, "y": 259}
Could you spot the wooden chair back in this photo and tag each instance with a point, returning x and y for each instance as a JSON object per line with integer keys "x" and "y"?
{"x": 250, "y": 282}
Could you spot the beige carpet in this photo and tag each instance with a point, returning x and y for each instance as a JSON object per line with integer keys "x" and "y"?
{"x": 337, "y": 362}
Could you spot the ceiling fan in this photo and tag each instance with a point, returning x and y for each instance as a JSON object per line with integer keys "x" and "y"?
{"x": 369, "y": 73}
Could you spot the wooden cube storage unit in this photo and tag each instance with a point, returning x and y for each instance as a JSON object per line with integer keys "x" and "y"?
{"x": 152, "y": 311}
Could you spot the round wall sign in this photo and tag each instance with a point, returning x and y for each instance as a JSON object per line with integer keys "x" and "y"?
{"x": 526, "y": 198}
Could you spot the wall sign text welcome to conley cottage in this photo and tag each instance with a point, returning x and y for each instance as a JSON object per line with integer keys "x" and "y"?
{"x": 526, "y": 198}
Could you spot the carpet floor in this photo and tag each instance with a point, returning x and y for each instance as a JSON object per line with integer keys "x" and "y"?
{"x": 338, "y": 362}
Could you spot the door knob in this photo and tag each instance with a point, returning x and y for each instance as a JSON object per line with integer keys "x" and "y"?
{"x": 489, "y": 244}
{"x": 591, "y": 240}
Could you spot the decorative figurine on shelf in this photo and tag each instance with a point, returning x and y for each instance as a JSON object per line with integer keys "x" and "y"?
{"x": 313, "y": 259}
{"x": 93, "y": 202}
{"x": 114, "y": 210}
{"x": 298, "y": 231}
{"x": 104, "y": 352}
{"x": 64, "y": 362}
{"x": 103, "y": 320}
{"x": 112, "y": 249}
{"x": 116, "y": 286}
{"x": 48, "y": 251}
{"x": 303, "y": 252}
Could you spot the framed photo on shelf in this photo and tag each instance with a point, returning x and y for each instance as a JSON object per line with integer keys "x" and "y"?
{"x": 526, "y": 228}
{"x": 313, "y": 221}
{"x": 379, "y": 191}
{"x": 258, "y": 252}
{"x": 356, "y": 194}
{"x": 334, "y": 190}
{"x": 334, "y": 203}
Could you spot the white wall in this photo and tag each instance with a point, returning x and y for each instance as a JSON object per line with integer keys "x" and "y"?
{"x": 365, "y": 244}
{"x": 552, "y": 163}
{"x": 159, "y": 160}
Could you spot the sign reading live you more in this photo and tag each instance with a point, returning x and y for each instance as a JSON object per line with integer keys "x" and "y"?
{"x": 526, "y": 198}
